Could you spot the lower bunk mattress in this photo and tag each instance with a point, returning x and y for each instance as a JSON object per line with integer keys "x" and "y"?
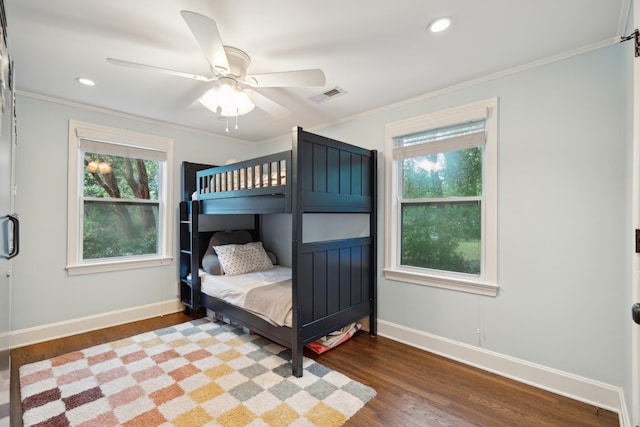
{"x": 266, "y": 294}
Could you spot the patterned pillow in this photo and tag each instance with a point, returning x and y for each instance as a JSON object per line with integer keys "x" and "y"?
{"x": 210, "y": 262}
{"x": 240, "y": 259}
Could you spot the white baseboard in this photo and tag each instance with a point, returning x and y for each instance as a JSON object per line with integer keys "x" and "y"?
{"x": 22, "y": 337}
{"x": 583, "y": 389}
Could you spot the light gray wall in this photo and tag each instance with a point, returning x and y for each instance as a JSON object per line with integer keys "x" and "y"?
{"x": 628, "y": 328}
{"x": 42, "y": 291}
{"x": 276, "y": 235}
{"x": 564, "y": 196}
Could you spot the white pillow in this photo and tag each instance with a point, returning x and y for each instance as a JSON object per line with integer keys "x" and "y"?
{"x": 240, "y": 259}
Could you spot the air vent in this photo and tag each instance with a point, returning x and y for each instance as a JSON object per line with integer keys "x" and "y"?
{"x": 331, "y": 93}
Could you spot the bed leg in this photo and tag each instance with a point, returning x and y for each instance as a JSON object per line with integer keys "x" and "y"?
{"x": 373, "y": 330}
{"x": 296, "y": 360}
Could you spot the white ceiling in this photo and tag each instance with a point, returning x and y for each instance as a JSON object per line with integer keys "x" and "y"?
{"x": 378, "y": 51}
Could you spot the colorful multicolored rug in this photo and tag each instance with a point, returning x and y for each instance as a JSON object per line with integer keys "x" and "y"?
{"x": 194, "y": 374}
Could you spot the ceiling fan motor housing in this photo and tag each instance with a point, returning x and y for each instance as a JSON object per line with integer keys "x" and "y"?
{"x": 238, "y": 62}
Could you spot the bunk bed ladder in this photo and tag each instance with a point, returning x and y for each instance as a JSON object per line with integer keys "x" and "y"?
{"x": 189, "y": 255}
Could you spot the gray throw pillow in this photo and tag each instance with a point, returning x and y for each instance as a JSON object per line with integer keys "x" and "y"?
{"x": 229, "y": 237}
{"x": 211, "y": 264}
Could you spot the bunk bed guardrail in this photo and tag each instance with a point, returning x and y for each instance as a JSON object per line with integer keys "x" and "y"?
{"x": 264, "y": 178}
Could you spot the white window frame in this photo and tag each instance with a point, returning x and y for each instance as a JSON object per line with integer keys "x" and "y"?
{"x": 82, "y": 130}
{"x": 487, "y": 282}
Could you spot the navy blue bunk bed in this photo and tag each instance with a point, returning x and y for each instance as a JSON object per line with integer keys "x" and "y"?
{"x": 333, "y": 282}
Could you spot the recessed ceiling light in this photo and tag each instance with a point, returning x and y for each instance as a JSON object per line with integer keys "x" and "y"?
{"x": 85, "y": 81}
{"x": 440, "y": 24}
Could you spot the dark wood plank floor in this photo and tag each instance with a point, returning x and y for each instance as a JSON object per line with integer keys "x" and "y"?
{"x": 414, "y": 388}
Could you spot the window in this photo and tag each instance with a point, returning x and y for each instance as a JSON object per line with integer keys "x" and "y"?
{"x": 118, "y": 196}
{"x": 441, "y": 220}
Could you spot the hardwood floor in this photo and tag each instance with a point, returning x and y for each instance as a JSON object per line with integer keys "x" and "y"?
{"x": 414, "y": 388}
{"x": 417, "y": 388}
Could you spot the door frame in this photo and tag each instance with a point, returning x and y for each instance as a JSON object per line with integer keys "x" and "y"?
{"x": 635, "y": 222}
{"x": 8, "y": 200}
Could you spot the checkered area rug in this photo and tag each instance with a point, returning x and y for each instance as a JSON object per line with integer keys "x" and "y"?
{"x": 199, "y": 373}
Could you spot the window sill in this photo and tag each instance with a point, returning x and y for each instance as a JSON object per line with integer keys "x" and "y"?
{"x": 453, "y": 283}
{"x": 102, "y": 267}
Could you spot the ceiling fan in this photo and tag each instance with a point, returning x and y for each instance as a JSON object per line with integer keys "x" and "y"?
{"x": 232, "y": 96}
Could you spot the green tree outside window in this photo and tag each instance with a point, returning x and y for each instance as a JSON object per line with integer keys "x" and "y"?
{"x": 120, "y": 206}
{"x": 441, "y": 212}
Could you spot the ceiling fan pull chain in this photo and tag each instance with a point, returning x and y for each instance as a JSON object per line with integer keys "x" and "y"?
{"x": 227, "y": 128}
{"x": 237, "y": 121}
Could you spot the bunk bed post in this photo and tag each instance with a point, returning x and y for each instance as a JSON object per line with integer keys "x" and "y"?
{"x": 297, "y": 347}
{"x": 373, "y": 232}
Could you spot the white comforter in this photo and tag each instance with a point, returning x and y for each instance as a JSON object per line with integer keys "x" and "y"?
{"x": 234, "y": 289}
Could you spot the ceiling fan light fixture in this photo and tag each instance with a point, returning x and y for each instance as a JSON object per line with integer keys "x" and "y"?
{"x": 210, "y": 100}
{"x": 243, "y": 103}
{"x": 440, "y": 24}
{"x": 231, "y": 102}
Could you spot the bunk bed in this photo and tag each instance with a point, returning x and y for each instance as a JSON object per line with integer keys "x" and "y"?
{"x": 333, "y": 283}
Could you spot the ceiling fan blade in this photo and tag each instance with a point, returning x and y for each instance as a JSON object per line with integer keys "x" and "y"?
{"x": 314, "y": 77}
{"x": 266, "y": 104}
{"x": 128, "y": 64}
{"x": 205, "y": 30}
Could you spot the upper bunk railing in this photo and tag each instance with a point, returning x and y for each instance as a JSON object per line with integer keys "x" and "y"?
{"x": 257, "y": 185}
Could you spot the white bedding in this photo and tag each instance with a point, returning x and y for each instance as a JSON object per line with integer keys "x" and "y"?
{"x": 234, "y": 289}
